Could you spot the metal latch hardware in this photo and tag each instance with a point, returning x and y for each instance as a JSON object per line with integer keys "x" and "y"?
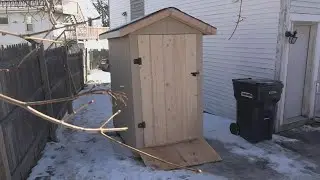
{"x": 137, "y": 61}
{"x": 142, "y": 125}
{"x": 195, "y": 73}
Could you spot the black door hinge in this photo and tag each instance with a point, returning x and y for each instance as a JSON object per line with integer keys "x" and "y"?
{"x": 137, "y": 61}
{"x": 195, "y": 73}
{"x": 142, "y": 125}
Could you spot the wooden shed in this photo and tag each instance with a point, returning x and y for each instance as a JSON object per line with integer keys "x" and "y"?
{"x": 157, "y": 61}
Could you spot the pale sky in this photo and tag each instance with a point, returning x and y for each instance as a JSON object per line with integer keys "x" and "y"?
{"x": 88, "y": 9}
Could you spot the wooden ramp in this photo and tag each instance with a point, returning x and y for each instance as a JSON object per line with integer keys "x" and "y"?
{"x": 186, "y": 154}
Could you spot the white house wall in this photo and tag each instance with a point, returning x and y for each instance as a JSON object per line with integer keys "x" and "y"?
{"x": 305, "y": 6}
{"x": 117, "y": 8}
{"x": 294, "y": 11}
{"x": 17, "y": 25}
{"x": 250, "y": 53}
{"x": 96, "y": 44}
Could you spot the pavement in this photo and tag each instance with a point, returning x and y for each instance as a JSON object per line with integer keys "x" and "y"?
{"x": 298, "y": 145}
{"x": 293, "y": 154}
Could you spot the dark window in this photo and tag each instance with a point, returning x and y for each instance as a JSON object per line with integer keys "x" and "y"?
{"x": 29, "y": 27}
{"x": 29, "y": 23}
{"x": 4, "y": 20}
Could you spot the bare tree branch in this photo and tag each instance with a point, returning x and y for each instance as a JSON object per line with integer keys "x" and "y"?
{"x": 240, "y": 18}
{"x": 28, "y": 55}
{"x": 56, "y": 121}
{"x": 119, "y": 96}
{"x": 149, "y": 155}
{"x": 56, "y": 28}
{"x": 28, "y": 37}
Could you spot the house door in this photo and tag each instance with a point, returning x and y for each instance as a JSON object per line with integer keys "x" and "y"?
{"x": 169, "y": 91}
{"x": 296, "y": 77}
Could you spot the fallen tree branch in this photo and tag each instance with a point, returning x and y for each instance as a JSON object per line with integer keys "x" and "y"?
{"x": 117, "y": 113}
{"x": 56, "y": 121}
{"x": 77, "y": 111}
{"x": 120, "y": 96}
{"x": 149, "y": 155}
{"x": 28, "y": 55}
{"x": 28, "y": 37}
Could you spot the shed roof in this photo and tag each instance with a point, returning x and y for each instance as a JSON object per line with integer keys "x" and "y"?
{"x": 149, "y": 19}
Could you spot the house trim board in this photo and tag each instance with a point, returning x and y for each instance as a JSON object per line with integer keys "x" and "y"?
{"x": 291, "y": 21}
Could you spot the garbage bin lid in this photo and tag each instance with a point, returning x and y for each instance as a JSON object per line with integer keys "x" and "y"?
{"x": 258, "y": 81}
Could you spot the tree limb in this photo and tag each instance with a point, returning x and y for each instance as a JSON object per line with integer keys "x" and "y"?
{"x": 120, "y": 96}
{"x": 56, "y": 121}
{"x": 27, "y": 38}
{"x": 149, "y": 155}
{"x": 238, "y": 21}
{"x": 56, "y": 28}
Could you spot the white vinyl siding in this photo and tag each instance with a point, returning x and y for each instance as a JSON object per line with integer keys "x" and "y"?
{"x": 305, "y": 6}
{"x": 117, "y": 8}
{"x": 250, "y": 53}
{"x": 17, "y": 23}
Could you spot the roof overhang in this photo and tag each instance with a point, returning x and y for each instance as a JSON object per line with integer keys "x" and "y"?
{"x": 204, "y": 28}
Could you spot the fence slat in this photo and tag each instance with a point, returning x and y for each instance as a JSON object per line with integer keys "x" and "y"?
{"x": 41, "y": 76}
{"x": 47, "y": 90}
{"x": 4, "y": 159}
{"x": 68, "y": 80}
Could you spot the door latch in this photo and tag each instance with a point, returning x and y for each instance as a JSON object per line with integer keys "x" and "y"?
{"x": 195, "y": 73}
{"x": 137, "y": 61}
{"x": 142, "y": 125}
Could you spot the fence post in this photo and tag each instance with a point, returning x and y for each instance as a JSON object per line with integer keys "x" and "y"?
{"x": 68, "y": 79}
{"x": 47, "y": 91}
{"x": 85, "y": 64}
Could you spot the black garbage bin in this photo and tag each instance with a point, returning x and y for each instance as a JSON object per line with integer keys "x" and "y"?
{"x": 256, "y": 108}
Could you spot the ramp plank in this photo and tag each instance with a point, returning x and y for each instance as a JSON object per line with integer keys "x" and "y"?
{"x": 186, "y": 154}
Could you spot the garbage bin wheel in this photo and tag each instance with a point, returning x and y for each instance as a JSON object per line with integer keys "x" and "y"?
{"x": 234, "y": 129}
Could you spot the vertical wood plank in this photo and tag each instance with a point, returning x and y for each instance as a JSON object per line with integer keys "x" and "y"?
{"x": 146, "y": 89}
{"x": 159, "y": 116}
{"x": 68, "y": 80}
{"x": 179, "y": 77}
{"x": 47, "y": 89}
{"x": 172, "y": 114}
{"x": 191, "y": 88}
{"x": 136, "y": 91}
{"x": 4, "y": 157}
{"x": 200, "y": 82}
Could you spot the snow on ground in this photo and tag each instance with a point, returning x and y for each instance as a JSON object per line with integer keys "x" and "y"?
{"x": 280, "y": 159}
{"x": 81, "y": 156}
{"x": 97, "y": 76}
{"x": 310, "y": 129}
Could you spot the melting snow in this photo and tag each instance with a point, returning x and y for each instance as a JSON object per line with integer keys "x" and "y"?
{"x": 279, "y": 158}
{"x": 307, "y": 128}
{"x": 84, "y": 156}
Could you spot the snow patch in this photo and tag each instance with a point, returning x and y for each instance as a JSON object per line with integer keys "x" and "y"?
{"x": 98, "y": 76}
{"x": 277, "y": 138}
{"x": 280, "y": 159}
{"x": 307, "y": 128}
{"x": 83, "y": 156}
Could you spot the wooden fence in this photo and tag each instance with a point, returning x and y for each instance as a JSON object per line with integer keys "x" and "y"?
{"x": 43, "y": 75}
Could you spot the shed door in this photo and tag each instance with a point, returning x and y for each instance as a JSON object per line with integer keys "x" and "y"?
{"x": 296, "y": 76}
{"x": 169, "y": 91}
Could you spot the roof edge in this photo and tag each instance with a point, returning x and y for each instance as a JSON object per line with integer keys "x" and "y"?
{"x": 144, "y": 21}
